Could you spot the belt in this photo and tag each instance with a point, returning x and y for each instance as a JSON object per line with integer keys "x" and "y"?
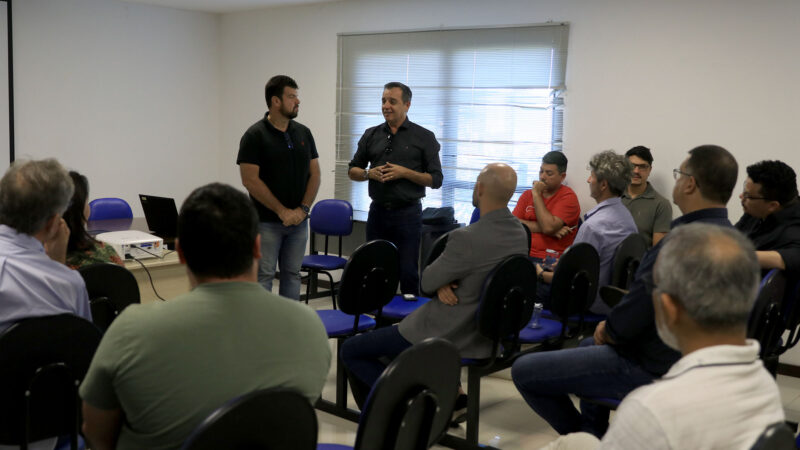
{"x": 397, "y": 204}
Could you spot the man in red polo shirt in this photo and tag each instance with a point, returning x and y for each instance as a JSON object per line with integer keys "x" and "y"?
{"x": 551, "y": 209}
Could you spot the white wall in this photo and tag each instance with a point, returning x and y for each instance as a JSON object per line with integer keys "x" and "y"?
{"x": 669, "y": 75}
{"x": 127, "y": 94}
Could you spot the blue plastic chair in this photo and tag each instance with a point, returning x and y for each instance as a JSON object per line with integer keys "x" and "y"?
{"x": 369, "y": 280}
{"x": 476, "y": 214}
{"x": 329, "y": 217}
{"x": 109, "y": 208}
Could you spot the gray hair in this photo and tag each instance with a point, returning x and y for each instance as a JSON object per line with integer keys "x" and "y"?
{"x": 31, "y": 192}
{"x": 615, "y": 169}
{"x": 712, "y": 271}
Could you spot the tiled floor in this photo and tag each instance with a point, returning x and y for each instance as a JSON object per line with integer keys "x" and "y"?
{"x": 505, "y": 419}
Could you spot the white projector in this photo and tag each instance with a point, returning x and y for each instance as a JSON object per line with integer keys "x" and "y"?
{"x": 137, "y": 244}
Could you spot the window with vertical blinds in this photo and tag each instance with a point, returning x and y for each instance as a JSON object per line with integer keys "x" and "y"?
{"x": 489, "y": 95}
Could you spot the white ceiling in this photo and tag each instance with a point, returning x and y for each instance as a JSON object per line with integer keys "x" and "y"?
{"x": 225, "y": 6}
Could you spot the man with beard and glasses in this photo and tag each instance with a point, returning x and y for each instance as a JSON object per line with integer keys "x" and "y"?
{"x": 651, "y": 211}
{"x": 399, "y": 159}
{"x": 279, "y": 167}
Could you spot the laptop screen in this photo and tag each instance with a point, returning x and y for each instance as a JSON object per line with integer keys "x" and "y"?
{"x": 161, "y": 215}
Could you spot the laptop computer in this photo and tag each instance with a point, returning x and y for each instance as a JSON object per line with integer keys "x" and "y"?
{"x": 162, "y": 217}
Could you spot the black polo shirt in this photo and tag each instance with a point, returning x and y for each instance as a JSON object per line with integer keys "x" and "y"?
{"x": 283, "y": 160}
{"x": 412, "y": 147}
{"x": 779, "y": 232}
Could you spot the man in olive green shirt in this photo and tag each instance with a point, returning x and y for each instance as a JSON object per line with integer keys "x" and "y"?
{"x": 162, "y": 368}
{"x": 651, "y": 212}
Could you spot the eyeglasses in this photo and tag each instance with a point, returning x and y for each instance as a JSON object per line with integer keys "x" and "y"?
{"x": 388, "y": 149}
{"x": 288, "y": 140}
{"x": 746, "y": 196}
{"x": 676, "y": 173}
{"x": 641, "y": 166}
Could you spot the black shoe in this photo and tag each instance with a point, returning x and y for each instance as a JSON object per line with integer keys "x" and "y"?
{"x": 459, "y": 411}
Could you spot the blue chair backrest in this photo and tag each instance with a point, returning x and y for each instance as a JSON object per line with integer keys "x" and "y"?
{"x": 476, "y": 214}
{"x": 332, "y": 217}
{"x": 109, "y": 208}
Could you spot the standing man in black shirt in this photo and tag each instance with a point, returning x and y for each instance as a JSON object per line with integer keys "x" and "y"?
{"x": 279, "y": 167}
{"x": 403, "y": 159}
{"x": 772, "y": 215}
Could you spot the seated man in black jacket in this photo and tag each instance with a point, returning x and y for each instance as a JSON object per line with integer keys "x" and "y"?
{"x": 628, "y": 352}
{"x": 772, "y": 215}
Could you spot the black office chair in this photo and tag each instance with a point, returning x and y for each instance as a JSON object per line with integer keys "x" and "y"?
{"x": 111, "y": 289}
{"x": 410, "y": 405}
{"x": 267, "y": 419}
{"x": 42, "y": 362}
{"x": 506, "y": 305}
{"x": 627, "y": 258}
{"x": 329, "y": 217}
{"x": 398, "y": 308}
{"x": 775, "y": 437}
{"x": 764, "y": 323}
{"x": 369, "y": 280}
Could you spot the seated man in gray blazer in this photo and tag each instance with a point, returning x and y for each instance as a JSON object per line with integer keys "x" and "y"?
{"x": 456, "y": 276}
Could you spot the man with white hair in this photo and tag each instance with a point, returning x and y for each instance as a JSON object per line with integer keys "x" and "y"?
{"x": 34, "y": 281}
{"x": 718, "y": 395}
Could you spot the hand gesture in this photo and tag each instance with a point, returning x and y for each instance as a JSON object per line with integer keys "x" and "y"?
{"x": 565, "y": 230}
{"x": 538, "y": 187}
{"x": 392, "y": 172}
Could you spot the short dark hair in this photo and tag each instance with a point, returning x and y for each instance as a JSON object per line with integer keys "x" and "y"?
{"x": 217, "y": 229}
{"x": 556, "y": 157}
{"x": 642, "y": 152}
{"x": 276, "y": 85}
{"x": 778, "y": 181}
{"x": 406, "y": 90}
{"x": 715, "y": 170}
{"x": 79, "y": 238}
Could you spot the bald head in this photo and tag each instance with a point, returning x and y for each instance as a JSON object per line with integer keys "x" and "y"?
{"x": 495, "y": 186}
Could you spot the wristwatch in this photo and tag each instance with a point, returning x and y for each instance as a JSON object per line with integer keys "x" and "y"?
{"x": 306, "y": 209}
{"x": 366, "y": 174}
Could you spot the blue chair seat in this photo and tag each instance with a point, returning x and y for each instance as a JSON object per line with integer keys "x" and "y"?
{"x": 333, "y": 447}
{"x": 399, "y": 308}
{"x": 338, "y": 323}
{"x": 323, "y": 262}
{"x": 549, "y": 329}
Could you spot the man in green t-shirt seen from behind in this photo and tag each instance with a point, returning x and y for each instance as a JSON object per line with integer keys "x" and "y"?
{"x": 162, "y": 368}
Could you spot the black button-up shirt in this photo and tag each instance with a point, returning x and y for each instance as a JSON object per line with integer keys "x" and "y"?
{"x": 779, "y": 231}
{"x": 412, "y": 147}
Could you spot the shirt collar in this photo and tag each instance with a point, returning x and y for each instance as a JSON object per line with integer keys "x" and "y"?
{"x": 270, "y": 126}
{"x": 403, "y": 125}
{"x": 22, "y": 240}
{"x": 700, "y": 214}
{"x": 605, "y": 203}
{"x": 649, "y": 192}
{"x": 714, "y": 356}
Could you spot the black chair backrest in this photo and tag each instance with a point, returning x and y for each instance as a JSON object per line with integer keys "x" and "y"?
{"x": 410, "y": 405}
{"x": 627, "y": 257}
{"x": 527, "y": 235}
{"x": 435, "y": 251}
{"x": 790, "y": 315}
{"x": 267, "y": 419}
{"x": 574, "y": 285}
{"x": 370, "y": 278}
{"x": 111, "y": 289}
{"x": 45, "y": 358}
{"x": 764, "y": 323}
{"x": 507, "y": 299}
{"x": 777, "y": 436}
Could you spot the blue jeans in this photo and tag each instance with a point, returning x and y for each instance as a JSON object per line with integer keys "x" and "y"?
{"x": 366, "y": 356}
{"x": 545, "y": 379}
{"x": 285, "y": 246}
{"x": 401, "y": 227}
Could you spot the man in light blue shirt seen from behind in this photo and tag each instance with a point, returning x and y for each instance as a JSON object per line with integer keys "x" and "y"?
{"x": 608, "y": 223}
{"x": 34, "y": 281}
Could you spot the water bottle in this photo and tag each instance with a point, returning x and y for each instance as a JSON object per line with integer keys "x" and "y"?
{"x": 550, "y": 260}
{"x": 537, "y": 314}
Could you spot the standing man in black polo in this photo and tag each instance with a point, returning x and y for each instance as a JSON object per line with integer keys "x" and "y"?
{"x": 279, "y": 167}
{"x": 400, "y": 159}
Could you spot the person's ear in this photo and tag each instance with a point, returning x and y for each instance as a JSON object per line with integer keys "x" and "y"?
{"x": 773, "y": 206}
{"x": 52, "y": 225}
{"x": 179, "y": 249}
{"x": 257, "y": 247}
{"x": 671, "y": 309}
